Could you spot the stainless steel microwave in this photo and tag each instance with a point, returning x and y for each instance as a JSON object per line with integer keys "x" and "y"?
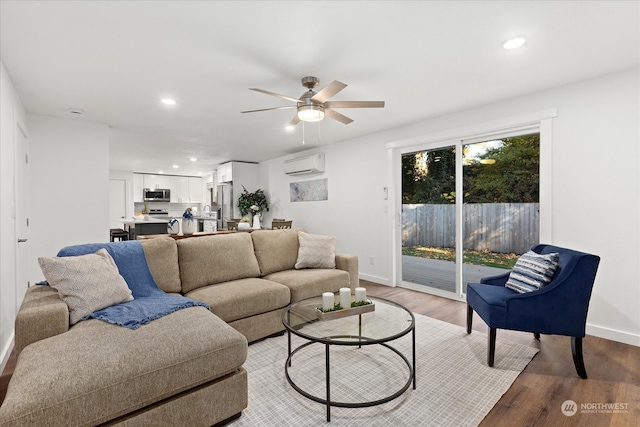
{"x": 156, "y": 195}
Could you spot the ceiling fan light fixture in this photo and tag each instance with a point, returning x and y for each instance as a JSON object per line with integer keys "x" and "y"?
{"x": 310, "y": 113}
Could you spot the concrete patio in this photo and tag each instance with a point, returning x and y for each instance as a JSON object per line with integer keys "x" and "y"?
{"x": 442, "y": 274}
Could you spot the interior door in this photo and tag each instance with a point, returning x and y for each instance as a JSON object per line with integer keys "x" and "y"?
{"x": 117, "y": 202}
{"x": 21, "y": 194}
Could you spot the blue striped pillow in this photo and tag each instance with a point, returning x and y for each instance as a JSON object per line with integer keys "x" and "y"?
{"x": 532, "y": 272}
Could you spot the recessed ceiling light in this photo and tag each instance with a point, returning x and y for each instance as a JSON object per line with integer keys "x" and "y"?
{"x": 289, "y": 128}
{"x": 514, "y": 43}
{"x": 175, "y": 166}
{"x": 193, "y": 159}
{"x": 168, "y": 101}
{"x": 160, "y": 172}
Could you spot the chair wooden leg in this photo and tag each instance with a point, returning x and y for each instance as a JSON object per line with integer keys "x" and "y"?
{"x": 491, "y": 351}
{"x": 469, "y": 318}
{"x": 536, "y": 336}
{"x": 578, "y": 360}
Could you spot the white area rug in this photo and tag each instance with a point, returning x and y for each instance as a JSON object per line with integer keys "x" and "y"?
{"x": 455, "y": 387}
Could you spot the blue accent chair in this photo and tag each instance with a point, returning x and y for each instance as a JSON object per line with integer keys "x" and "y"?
{"x": 559, "y": 308}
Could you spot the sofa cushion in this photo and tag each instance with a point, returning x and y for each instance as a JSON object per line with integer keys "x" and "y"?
{"x": 316, "y": 251}
{"x": 98, "y": 371}
{"x": 208, "y": 260}
{"x": 162, "y": 258}
{"x": 311, "y": 282}
{"x": 242, "y": 298}
{"x": 87, "y": 283}
{"x": 276, "y": 250}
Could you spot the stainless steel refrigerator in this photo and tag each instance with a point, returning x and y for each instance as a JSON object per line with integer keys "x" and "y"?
{"x": 225, "y": 204}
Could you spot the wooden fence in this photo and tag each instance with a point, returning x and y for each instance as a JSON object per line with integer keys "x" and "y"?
{"x": 498, "y": 227}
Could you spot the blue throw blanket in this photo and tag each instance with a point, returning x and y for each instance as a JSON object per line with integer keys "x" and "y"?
{"x": 150, "y": 302}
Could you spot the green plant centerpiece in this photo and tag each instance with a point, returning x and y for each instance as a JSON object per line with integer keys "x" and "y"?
{"x": 253, "y": 204}
{"x": 145, "y": 210}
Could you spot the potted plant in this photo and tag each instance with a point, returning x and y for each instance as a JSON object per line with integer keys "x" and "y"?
{"x": 253, "y": 204}
{"x": 145, "y": 210}
{"x": 244, "y": 224}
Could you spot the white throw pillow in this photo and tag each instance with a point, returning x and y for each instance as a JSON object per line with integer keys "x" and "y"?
{"x": 87, "y": 283}
{"x": 316, "y": 251}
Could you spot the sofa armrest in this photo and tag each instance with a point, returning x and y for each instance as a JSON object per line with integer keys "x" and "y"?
{"x": 42, "y": 314}
{"x": 349, "y": 263}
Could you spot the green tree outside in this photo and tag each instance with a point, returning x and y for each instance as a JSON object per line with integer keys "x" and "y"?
{"x": 507, "y": 173}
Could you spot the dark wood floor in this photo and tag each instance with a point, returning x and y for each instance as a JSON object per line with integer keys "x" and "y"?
{"x": 536, "y": 397}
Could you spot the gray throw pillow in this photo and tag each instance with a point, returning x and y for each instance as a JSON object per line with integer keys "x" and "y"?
{"x": 87, "y": 283}
{"x": 316, "y": 251}
{"x": 532, "y": 271}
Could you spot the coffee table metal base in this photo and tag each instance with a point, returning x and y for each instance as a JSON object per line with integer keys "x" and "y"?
{"x": 327, "y": 401}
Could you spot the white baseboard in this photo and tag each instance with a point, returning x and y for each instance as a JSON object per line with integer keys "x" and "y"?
{"x": 375, "y": 279}
{"x": 613, "y": 335}
{"x": 6, "y": 353}
{"x": 597, "y": 331}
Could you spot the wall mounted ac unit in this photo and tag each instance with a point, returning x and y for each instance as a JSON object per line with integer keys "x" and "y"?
{"x": 303, "y": 165}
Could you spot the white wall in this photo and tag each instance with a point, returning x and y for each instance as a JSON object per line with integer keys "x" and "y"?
{"x": 11, "y": 110}
{"x": 595, "y": 179}
{"x": 69, "y": 186}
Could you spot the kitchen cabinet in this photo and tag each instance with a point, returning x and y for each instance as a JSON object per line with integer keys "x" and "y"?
{"x": 184, "y": 189}
{"x": 195, "y": 189}
{"x": 209, "y": 224}
{"x": 157, "y": 181}
{"x": 188, "y": 189}
{"x": 225, "y": 172}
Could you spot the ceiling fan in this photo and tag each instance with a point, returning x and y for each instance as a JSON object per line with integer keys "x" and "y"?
{"x": 312, "y": 106}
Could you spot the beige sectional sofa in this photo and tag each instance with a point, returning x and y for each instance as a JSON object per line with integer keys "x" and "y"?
{"x": 182, "y": 369}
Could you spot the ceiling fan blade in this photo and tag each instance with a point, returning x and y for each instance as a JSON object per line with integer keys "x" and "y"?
{"x": 354, "y": 104}
{"x": 326, "y": 93}
{"x": 294, "y": 121}
{"x": 337, "y": 116}
{"x": 268, "y": 109}
{"x": 288, "y": 98}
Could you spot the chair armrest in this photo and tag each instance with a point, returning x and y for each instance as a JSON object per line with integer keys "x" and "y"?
{"x": 349, "y": 263}
{"x": 43, "y": 314}
{"x": 497, "y": 280}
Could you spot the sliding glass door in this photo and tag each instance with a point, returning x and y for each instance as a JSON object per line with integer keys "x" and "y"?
{"x": 429, "y": 219}
{"x": 469, "y": 210}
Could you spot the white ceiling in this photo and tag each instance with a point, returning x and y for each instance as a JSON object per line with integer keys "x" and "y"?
{"x": 116, "y": 59}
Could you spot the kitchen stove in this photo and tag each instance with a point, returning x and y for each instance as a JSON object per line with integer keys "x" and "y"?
{"x": 158, "y": 213}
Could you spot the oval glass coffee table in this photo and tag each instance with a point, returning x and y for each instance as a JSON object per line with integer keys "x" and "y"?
{"x": 387, "y": 322}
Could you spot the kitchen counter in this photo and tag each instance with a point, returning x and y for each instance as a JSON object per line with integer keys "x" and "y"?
{"x": 149, "y": 221}
{"x": 137, "y": 228}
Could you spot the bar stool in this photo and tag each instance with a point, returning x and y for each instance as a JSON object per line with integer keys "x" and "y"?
{"x": 118, "y": 233}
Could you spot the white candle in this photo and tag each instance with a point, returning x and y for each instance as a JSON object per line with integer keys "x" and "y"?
{"x": 345, "y": 297}
{"x": 327, "y": 301}
{"x": 361, "y": 294}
